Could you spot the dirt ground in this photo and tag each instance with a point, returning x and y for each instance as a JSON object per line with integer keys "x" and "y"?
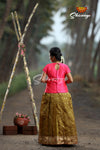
{"x": 86, "y": 105}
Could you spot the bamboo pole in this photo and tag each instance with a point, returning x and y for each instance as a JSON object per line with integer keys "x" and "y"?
{"x": 18, "y": 25}
{"x": 31, "y": 93}
{"x": 14, "y": 23}
{"x": 21, "y": 38}
{"x": 29, "y": 20}
{"x": 26, "y": 68}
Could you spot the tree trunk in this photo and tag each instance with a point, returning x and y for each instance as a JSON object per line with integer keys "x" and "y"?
{"x": 80, "y": 47}
{"x": 94, "y": 62}
{"x": 98, "y": 70}
{"x": 7, "y": 59}
{"x": 4, "y": 20}
{"x": 85, "y": 59}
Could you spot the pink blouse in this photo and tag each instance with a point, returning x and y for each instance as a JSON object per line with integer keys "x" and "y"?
{"x": 56, "y": 78}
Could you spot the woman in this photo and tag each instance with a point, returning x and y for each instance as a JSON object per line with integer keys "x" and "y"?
{"x": 57, "y": 122}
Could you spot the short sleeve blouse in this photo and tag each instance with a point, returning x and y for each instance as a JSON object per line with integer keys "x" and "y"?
{"x": 56, "y": 78}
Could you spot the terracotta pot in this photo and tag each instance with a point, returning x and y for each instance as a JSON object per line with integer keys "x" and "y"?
{"x": 21, "y": 121}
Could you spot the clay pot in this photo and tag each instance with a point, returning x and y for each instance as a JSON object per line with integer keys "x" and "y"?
{"x": 21, "y": 121}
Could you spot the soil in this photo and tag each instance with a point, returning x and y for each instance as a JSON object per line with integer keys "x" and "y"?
{"x": 86, "y": 105}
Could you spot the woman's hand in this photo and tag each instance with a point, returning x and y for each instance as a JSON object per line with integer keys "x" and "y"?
{"x": 43, "y": 81}
{"x": 43, "y": 78}
{"x": 70, "y": 78}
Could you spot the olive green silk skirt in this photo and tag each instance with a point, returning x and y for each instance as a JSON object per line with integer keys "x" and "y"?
{"x": 57, "y": 121}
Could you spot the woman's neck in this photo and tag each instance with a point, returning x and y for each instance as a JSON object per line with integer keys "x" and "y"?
{"x": 56, "y": 61}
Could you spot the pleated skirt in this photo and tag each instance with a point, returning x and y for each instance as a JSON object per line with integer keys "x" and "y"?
{"x": 57, "y": 122}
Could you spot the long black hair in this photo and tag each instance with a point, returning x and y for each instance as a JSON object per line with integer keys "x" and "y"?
{"x": 55, "y": 51}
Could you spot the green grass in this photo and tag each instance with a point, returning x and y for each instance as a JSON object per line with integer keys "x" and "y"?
{"x": 18, "y": 84}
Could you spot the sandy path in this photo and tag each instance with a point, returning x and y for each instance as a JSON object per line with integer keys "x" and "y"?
{"x": 87, "y": 116}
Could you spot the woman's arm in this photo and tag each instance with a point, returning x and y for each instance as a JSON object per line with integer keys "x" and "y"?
{"x": 70, "y": 78}
{"x": 43, "y": 78}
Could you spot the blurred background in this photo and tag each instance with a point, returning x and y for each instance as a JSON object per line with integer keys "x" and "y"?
{"x": 78, "y": 38}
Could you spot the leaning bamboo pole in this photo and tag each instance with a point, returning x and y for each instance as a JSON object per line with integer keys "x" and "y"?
{"x": 21, "y": 38}
{"x": 26, "y": 68}
{"x": 29, "y": 20}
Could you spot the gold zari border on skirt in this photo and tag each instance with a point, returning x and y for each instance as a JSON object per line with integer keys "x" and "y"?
{"x": 58, "y": 140}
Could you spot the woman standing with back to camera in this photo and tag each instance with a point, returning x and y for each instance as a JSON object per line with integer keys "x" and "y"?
{"x": 57, "y": 122}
